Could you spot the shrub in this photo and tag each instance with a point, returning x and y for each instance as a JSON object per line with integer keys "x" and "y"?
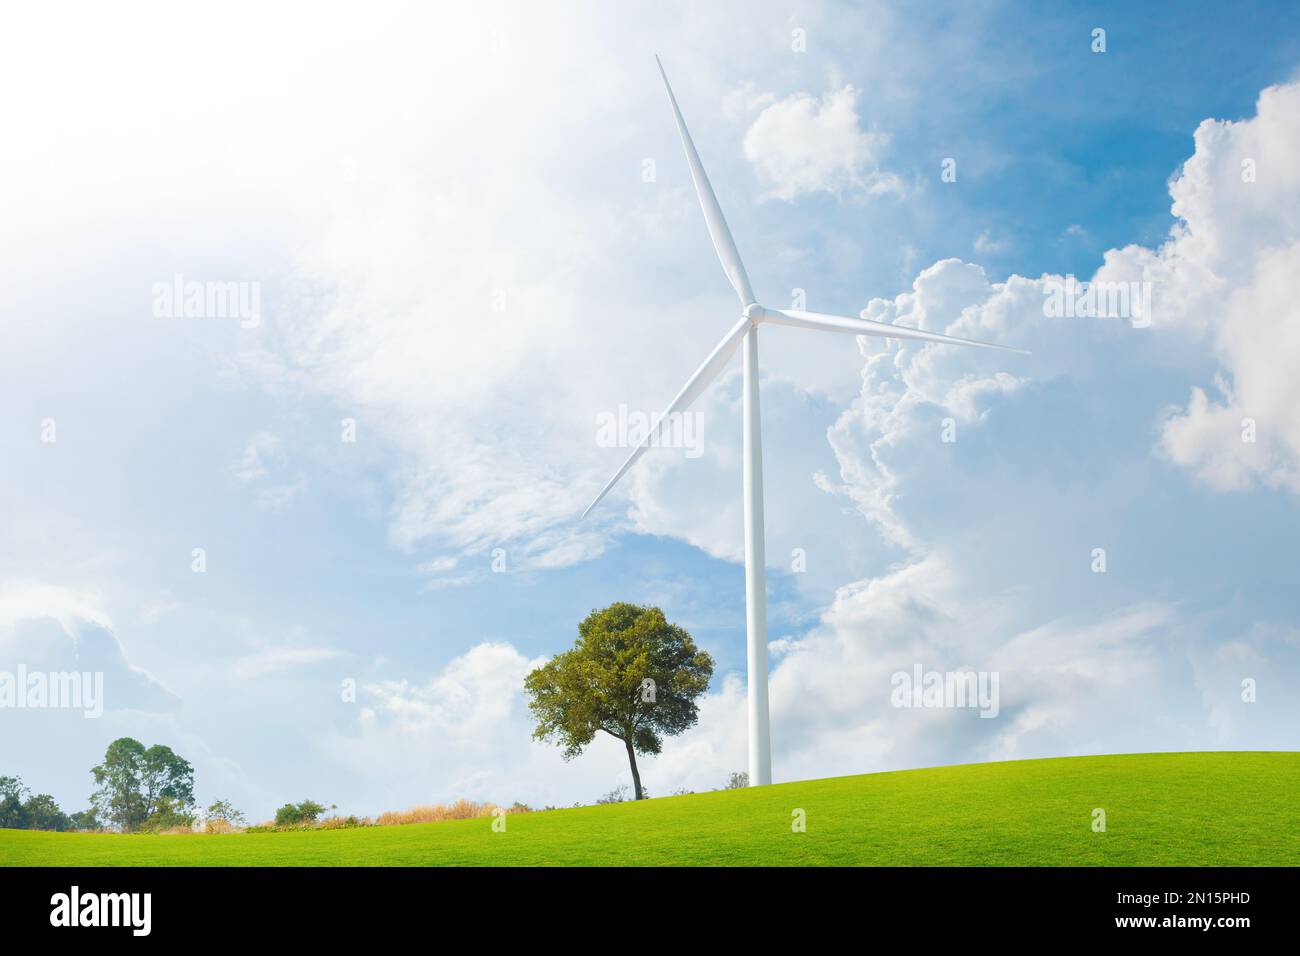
{"x": 170, "y": 816}
{"x": 222, "y": 817}
{"x": 20, "y": 809}
{"x": 44, "y": 814}
{"x": 298, "y": 814}
{"x": 344, "y": 823}
{"x": 85, "y": 820}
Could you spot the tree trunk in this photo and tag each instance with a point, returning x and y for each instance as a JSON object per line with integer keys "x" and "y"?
{"x": 636, "y": 777}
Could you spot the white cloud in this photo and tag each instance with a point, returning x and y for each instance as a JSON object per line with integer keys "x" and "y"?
{"x": 261, "y": 466}
{"x": 1064, "y": 687}
{"x": 1227, "y": 273}
{"x": 1250, "y": 433}
{"x": 153, "y": 611}
{"x": 439, "y": 565}
{"x": 466, "y": 732}
{"x": 986, "y": 245}
{"x": 19, "y": 600}
{"x": 48, "y": 628}
{"x": 803, "y": 145}
{"x": 439, "y": 577}
{"x": 253, "y": 463}
{"x": 279, "y": 659}
{"x": 1256, "y": 662}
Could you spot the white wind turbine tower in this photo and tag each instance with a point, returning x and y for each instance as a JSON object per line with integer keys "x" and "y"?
{"x": 746, "y": 330}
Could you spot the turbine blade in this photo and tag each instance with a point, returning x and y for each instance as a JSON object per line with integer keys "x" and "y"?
{"x": 842, "y": 323}
{"x": 695, "y": 385}
{"x": 717, "y": 223}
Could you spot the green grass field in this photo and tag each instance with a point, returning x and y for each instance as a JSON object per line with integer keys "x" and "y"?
{"x": 1161, "y": 809}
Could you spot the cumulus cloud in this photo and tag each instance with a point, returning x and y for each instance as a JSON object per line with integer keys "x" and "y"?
{"x": 1063, "y": 688}
{"x": 50, "y": 629}
{"x": 1227, "y": 272}
{"x": 466, "y": 732}
{"x": 1246, "y": 431}
{"x": 803, "y": 144}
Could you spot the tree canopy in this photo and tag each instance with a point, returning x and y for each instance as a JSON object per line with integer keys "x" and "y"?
{"x": 137, "y": 783}
{"x": 20, "y": 809}
{"x": 13, "y": 795}
{"x": 631, "y": 674}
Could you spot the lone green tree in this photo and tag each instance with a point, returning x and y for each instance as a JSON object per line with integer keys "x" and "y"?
{"x": 136, "y": 782}
{"x": 631, "y": 674}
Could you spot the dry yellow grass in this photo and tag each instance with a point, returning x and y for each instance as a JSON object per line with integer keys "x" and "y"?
{"x": 221, "y": 826}
{"x": 429, "y": 813}
{"x": 339, "y": 823}
{"x": 436, "y": 812}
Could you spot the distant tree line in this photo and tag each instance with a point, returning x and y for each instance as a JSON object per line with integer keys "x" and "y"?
{"x": 631, "y": 675}
{"x": 151, "y": 789}
{"x": 138, "y": 790}
{"x": 20, "y": 809}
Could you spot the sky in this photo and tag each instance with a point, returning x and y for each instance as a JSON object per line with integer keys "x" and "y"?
{"x": 466, "y": 233}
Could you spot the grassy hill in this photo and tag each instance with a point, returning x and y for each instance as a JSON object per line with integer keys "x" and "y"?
{"x": 1161, "y": 809}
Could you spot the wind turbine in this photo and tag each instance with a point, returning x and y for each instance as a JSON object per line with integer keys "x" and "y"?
{"x": 746, "y": 330}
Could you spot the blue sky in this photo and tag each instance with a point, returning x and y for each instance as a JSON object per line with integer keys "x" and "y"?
{"x": 387, "y": 190}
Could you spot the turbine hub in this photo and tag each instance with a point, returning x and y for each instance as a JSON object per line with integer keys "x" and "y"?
{"x": 753, "y": 312}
